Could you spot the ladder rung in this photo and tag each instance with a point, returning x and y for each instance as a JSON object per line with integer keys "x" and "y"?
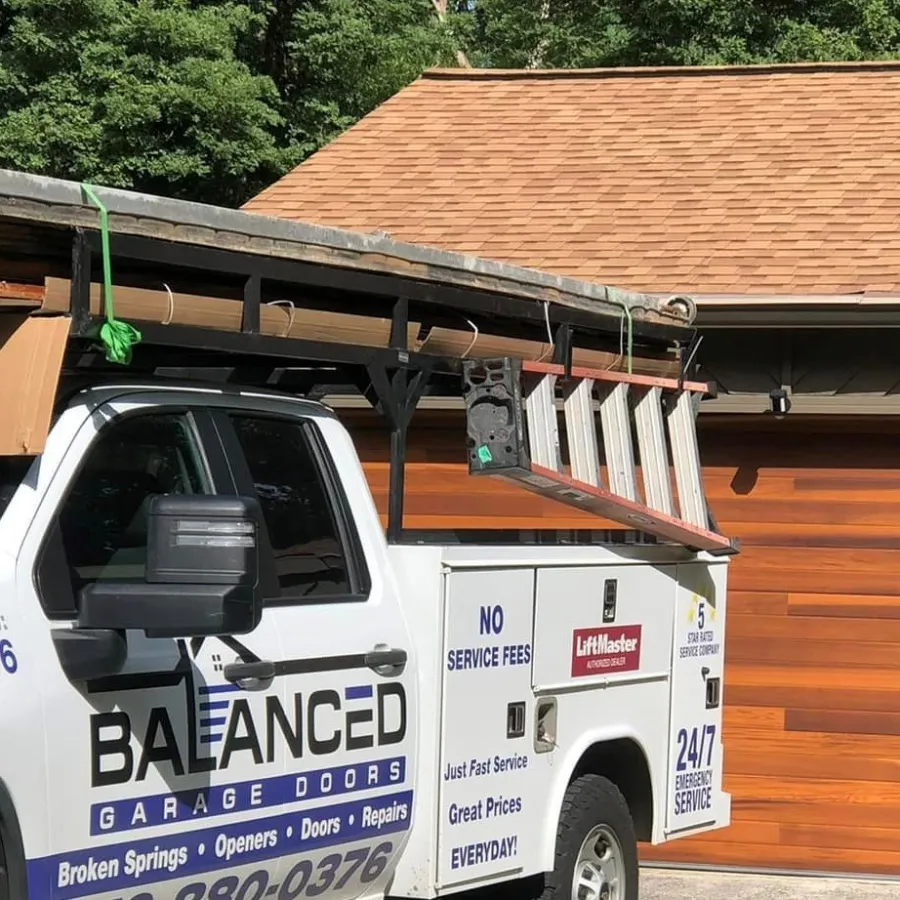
{"x": 651, "y": 434}
{"x": 543, "y": 433}
{"x": 686, "y": 461}
{"x": 616, "y": 423}
{"x": 581, "y": 431}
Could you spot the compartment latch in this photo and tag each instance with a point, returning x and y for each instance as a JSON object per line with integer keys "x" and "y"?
{"x": 515, "y": 720}
{"x": 713, "y": 689}
{"x": 610, "y": 590}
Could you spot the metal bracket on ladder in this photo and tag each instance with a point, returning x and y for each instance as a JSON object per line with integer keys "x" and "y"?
{"x": 513, "y": 433}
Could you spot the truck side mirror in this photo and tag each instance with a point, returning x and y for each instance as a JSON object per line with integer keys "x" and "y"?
{"x": 202, "y": 572}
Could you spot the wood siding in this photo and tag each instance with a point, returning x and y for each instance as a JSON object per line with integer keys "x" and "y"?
{"x": 812, "y": 697}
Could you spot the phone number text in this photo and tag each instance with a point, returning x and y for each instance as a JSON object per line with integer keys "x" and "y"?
{"x": 304, "y": 879}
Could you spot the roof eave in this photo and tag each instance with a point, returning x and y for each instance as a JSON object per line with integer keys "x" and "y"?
{"x": 439, "y": 72}
{"x": 792, "y": 311}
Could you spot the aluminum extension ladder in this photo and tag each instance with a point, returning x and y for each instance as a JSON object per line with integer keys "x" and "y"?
{"x": 513, "y": 433}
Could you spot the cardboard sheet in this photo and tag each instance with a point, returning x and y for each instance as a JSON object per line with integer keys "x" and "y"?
{"x": 275, "y": 318}
{"x": 140, "y": 305}
{"x": 31, "y": 357}
{"x": 452, "y": 343}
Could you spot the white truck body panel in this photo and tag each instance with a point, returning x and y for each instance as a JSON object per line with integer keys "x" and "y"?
{"x": 169, "y": 783}
{"x": 488, "y": 804}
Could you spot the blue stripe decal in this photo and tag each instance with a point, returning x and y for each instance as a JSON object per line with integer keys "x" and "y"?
{"x": 214, "y": 704}
{"x": 358, "y": 692}
{"x": 217, "y": 688}
{"x": 180, "y": 854}
{"x": 210, "y": 738}
{"x": 211, "y": 723}
{"x": 189, "y": 806}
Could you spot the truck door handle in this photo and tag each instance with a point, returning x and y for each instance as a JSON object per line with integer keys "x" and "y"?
{"x": 258, "y": 670}
{"x": 385, "y": 659}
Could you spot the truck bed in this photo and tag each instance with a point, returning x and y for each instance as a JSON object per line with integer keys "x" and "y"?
{"x": 528, "y": 656}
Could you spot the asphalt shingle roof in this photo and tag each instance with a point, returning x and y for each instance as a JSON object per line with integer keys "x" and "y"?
{"x": 760, "y": 180}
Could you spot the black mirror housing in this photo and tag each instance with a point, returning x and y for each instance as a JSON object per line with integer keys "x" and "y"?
{"x": 202, "y": 574}
{"x": 203, "y": 540}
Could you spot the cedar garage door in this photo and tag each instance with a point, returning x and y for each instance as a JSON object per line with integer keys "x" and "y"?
{"x": 812, "y": 697}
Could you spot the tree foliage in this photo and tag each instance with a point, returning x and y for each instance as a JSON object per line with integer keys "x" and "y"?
{"x": 147, "y": 94}
{"x": 333, "y": 61}
{"x": 203, "y": 99}
{"x": 213, "y": 99}
{"x": 584, "y": 33}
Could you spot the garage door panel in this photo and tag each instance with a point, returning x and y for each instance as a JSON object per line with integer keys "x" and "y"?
{"x": 779, "y": 856}
{"x": 865, "y": 484}
{"x": 812, "y": 536}
{"x": 840, "y": 699}
{"x": 820, "y": 629}
{"x": 809, "y": 677}
{"x": 839, "y": 486}
{"x": 725, "y": 483}
{"x": 790, "y": 559}
{"x": 817, "y": 581}
{"x": 842, "y": 721}
{"x": 812, "y": 652}
{"x": 794, "y": 509}
{"x": 849, "y": 793}
{"x": 845, "y": 606}
{"x": 757, "y": 603}
{"x": 751, "y": 758}
{"x": 796, "y": 812}
{"x": 750, "y": 720}
{"x": 820, "y": 746}
{"x": 840, "y": 837}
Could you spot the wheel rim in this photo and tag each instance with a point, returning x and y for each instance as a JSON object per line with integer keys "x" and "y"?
{"x": 599, "y": 871}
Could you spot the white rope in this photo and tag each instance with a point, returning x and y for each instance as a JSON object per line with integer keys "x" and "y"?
{"x": 168, "y": 319}
{"x": 549, "y": 331}
{"x": 291, "y": 313}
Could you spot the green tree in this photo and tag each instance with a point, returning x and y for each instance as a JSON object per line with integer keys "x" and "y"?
{"x": 202, "y": 99}
{"x": 147, "y": 95}
{"x": 334, "y": 61}
{"x": 584, "y": 33}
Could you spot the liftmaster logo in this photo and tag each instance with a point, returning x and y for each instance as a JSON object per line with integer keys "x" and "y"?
{"x": 603, "y": 651}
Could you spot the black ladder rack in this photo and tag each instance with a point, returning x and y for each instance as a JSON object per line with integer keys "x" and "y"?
{"x": 47, "y": 225}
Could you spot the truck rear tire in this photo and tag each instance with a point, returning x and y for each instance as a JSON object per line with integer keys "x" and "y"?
{"x": 596, "y": 847}
{"x": 4, "y": 873}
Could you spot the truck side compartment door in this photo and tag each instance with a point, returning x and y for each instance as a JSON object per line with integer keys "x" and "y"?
{"x": 162, "y": 781}
{"x": 346, "y": 663}
{"x": 492, "y": 782}
{"x": 695, "y": 800}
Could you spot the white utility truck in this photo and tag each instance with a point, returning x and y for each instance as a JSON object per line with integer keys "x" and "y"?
{"x": 219, "y": 680}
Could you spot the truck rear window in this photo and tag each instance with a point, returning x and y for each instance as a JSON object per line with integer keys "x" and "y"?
{"x": 13, "y": 470}
{"x": 310, "y": 555}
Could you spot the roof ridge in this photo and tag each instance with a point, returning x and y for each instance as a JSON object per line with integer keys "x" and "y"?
{"x": 652, "y": 71}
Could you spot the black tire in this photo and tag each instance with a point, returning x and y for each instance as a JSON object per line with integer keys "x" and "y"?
{"x": 4, "y": 874}
{"x": 591, "y": 801}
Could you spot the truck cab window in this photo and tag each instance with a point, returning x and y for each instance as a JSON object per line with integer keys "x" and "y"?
{"x": 103, "y": 520}
{"x": 310, "y": 557}
{"x": 13, "y": 470}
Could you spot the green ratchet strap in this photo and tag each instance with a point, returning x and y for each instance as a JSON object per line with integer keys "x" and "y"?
{"x": 118, "y": 337}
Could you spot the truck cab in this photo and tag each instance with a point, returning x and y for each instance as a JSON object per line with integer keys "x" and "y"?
{"x": 143, "y": 750}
